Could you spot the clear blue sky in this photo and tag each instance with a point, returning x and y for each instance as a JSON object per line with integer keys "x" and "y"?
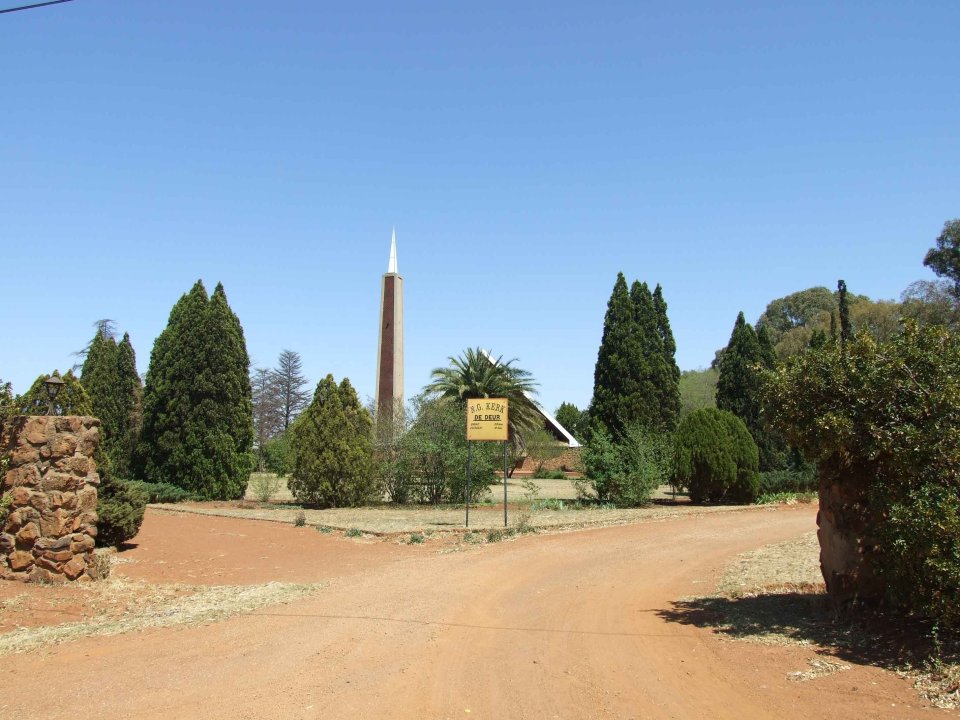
{"x": 526, "y": 152}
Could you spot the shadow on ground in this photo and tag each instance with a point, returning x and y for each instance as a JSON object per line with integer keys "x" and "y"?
{"x": 804, "y": 617}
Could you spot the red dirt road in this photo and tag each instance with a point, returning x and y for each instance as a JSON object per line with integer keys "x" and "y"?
{"x": 550, "y": 626}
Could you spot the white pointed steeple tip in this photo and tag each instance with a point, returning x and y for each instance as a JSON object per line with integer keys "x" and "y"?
{"x": 392, "y": 267}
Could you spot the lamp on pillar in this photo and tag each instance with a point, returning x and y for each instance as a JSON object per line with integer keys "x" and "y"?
{"x": 53, "y": 383}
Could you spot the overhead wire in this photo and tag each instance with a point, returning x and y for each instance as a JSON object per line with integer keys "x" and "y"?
{"x": 35, "y": 5}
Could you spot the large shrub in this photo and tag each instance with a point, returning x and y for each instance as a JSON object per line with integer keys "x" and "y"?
{"x": 882, "y": 422}
{"x": 628, "y": 470}
{"x": 120, "y": 508}
{"x": 197, "y": 428}
{"x": 715, "y": 458}
{"x": 333, "y": 449}
{"x": 429, "y": 464}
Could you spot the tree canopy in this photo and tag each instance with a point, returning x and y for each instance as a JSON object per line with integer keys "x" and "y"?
{"x": 882, "y": 422}
{"x": 636, "y": 379}
{"x": 197, "y": 415}
{"x": 739, "y": 387}
{"x": 477, "y": 374}
{"x": 110, "y": 378}
{"x": 944, "y": 257}
{"x": 333, "y": 449}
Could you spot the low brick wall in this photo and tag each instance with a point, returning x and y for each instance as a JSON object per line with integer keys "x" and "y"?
{"x": 51, "y": 482}
{"x": 568, "y": 461}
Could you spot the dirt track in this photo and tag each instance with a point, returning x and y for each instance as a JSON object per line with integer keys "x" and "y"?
{"x": 557, "y": 626}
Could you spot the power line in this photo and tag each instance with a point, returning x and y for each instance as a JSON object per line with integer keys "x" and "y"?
{"x": 27, "y": 7}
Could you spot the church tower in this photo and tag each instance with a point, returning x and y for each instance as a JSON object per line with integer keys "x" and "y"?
{"x": 390, "y": 348}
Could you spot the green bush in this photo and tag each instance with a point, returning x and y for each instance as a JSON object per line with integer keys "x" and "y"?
{"x": 542, "y": 474}
{"x": 333, "y": 449}
{"x": 715, "y": 458}
{"x": 278, "y": 455}
{"x": 120, "y": 507}
{"x": 162, "y": 492}
{"x": 625, "y": 472}
{"x": 788, "y": 481}
{"x": 120, "y": 504}
{"x": 263, "y": 485}
{"x": 429, "y": 464}
{"x": 883, "y": 418}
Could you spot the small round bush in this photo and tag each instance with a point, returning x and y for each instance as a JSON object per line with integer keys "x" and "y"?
{"x": 715, "y": 458}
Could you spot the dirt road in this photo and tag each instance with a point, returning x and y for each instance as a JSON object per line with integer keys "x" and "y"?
{"x": 550, "y": 626}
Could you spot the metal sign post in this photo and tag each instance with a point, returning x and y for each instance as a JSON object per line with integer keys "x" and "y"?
{"x": 466, "y": 499}
{"x": 487, "y": 420}
{"x": 504, "y": 483}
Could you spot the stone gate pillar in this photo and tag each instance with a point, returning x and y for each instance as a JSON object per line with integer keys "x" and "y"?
{"x": 50, "y": 522}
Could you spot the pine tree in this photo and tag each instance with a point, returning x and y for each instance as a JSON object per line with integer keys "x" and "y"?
{"x": 267, "y": 419}
{"x": 289, "y": 383}
{"x": 333, "y": 449}
{"x": 670, "y": 391}
{"x": 197, "y": 408}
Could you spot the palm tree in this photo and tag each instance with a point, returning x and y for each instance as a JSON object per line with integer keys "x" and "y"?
{"x": 476, "y": 374}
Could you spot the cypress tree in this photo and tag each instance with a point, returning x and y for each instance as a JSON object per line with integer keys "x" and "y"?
{"x": 333, "y": 449}
{"x": 647, "y": 364}
{"x": 99, "y": 378}
{"x": 131, "y": 394}
{"x": 739, "y": 388}
{"x": 636, "y": 380}
{"x": 613, "y": 375}
{"x": 197, "y": 408}
{"x": 845, "y": 333}
{"x": 670, "y": 390}
{"x": 738, "y": 384}
{"x": 768, "y": 355}
{"x": 109, "y": 376}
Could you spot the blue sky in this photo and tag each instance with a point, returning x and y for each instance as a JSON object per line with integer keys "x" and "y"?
{"x": 525, "y": 152}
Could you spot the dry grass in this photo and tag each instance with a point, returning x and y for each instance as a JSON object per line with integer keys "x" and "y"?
{"x": 120, "y": 606}
{"x": 392, "y": 519}
{"x": 788, "y": 564}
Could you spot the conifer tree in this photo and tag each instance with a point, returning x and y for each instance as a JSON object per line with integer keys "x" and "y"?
{"x": 109, "y": 376}
{"x": 845, "y": 332}
{"x": 333, "y": 449}
{"x": 131, "y": 394}
{"x": 197, "y": 410}
{"x": 614, "y": 384}
{"x": 739, "y": 388}
{"x": 650, "y": 372}
{"x": 670, "y": 391}
{"x": 290, "y": 386}
{"x": 636, "y": 380}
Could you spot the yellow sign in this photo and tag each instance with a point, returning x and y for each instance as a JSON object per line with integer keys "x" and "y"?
{"x": 487, "y": 418}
